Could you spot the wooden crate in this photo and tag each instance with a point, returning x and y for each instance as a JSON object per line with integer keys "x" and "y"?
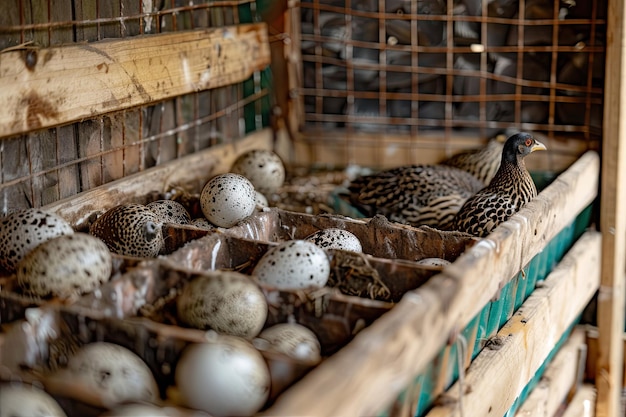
{"x": 133, "y": 140}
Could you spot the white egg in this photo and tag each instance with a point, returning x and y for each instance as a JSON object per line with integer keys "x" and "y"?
{"x": 64, "y": 266}
{"x": 22, "y": 231}
{"x": 294, "y": 340}
{"x": 27, "y": 401}
{"x": 227, "y": 199}
{"x": 261, "y": 200}
{"x": 433, "y": 262}
{"x": 227, "y": 377}
{"x": 262, "y": 167}
{"x": 336, "y": 239}
{"x": 170, "y": 211}
{"x": 113, "y": 372}
{"x": 293, "y": 264}
{"x": 226, "y": 301}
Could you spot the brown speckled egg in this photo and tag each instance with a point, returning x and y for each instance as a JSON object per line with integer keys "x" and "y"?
{"x": 170, "y": 211}
{"x": 293, "y": 264}
{"x": 226, "y": 301}
{"x": 27, "y": 401}
{"x": 22, "y": 231}
{"x": 202, "y": 223}
{"x": 131, "y": 230}
{"x": 294, "y": 340}
{"x": 113, "y": 372}
{"x": 334, "y": 238}
{"x": 228, "y": 377}
{"x": 227, "y": 199}
{"x": 64, "y": 266}
{"x": 262, "y": 167}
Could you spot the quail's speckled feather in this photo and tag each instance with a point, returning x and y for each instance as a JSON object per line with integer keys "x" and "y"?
{"x": 483, "y": 163}
{"x": 414, "y": 194}
{"x": 426, "y": 194}
{"x": 511, "y": 188}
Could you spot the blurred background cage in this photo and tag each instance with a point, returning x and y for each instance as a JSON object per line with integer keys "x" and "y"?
{"x": 376, "y": 83}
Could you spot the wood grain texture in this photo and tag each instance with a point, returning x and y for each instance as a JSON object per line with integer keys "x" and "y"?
{"x": 583, "y": 403}
{"x": 612, "y": 219}
{"x": 559, "y": 378}
{"x": 51, "y": 86}
{"x": 366, "y": 375}
{"x": 192, "y": 171}
{"x": 497, "y": 377}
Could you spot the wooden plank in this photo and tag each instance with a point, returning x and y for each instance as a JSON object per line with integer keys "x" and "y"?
{"x": 557, "y": 381}
{"x": 583, "y": 403}
{"x": 192, "y": 170}
{"x": 69, "y": 83}
{"x": 528, "y": 337}
{"x": 367, "y": 374}
{"x": 592, "y": 343}
{"x": 612, "y": 218}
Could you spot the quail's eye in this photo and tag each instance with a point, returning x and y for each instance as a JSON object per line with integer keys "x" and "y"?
{"x": 529, "y": 142}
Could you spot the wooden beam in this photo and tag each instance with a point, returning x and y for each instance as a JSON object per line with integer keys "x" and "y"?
{"x": 528, "y": 337}
{"x": 189, "y": 171}
{"x": 583, "y": 403}
{"x": 40, "y": 88}
{"x": 368, "y": 374}
{"x": 557, "y": 381}
{"x": 612, "y": 218}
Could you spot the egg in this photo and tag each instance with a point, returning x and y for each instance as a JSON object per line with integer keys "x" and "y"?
{"x": 293, "y": 264}
{"x": 131, "y": 230}
{"x": 170, "y": 211}
{"x": 225, "y": 377}
{"x": 260, "y": 200}
{"x": 336, "y": 239}
{"x": 294, "y": 340}
{"x": 202, "y": 223}
{"x": 226, "y": 301}
{"x": 433, "y": 262}
{"x": 227, "y": 199}
{"x": 113, "y": 372}
{"x": 20, "y": 400}
{"x": 22, "y": 231}
{"x": 263, "y": 167}
{"x": 64, "y": 266}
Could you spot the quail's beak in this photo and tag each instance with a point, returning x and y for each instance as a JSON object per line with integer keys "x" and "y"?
{"x": 538, "y": 146}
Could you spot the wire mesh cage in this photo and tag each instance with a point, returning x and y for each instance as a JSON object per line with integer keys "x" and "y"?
{"x": 447, "y": 68}
{"x": 44, "y": 165}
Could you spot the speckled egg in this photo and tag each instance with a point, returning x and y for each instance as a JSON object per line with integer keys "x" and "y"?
{"x": 227, "y": 199}
{"x": 131, "y": 230}
{"x": 202, "y": 223}
{"x": 262, "y": 167}
{"x": 22, "y": 231}
{"x": 226, "y": 301}
{"x": 294, "y": 340}
{"x": 170, "y": 211}
{"x": 260, "y": 200}
{"x": 228, "y": 377}
{"x": 433, "y": 262}
{"x": 294, "y": 264}
{"x": 20, "y": 400}
{"x": 65, "y": 266}
{"x": 336, "y": 239}
{"x": 113, "y": 372}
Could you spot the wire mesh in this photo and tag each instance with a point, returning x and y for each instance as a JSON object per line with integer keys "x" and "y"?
{"x": 48, "y": 165}
{"x": 453, "y": 66}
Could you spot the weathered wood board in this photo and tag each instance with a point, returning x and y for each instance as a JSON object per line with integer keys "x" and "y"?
{"x": 45, "y": 87}
{"x": 528, "y": 337}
